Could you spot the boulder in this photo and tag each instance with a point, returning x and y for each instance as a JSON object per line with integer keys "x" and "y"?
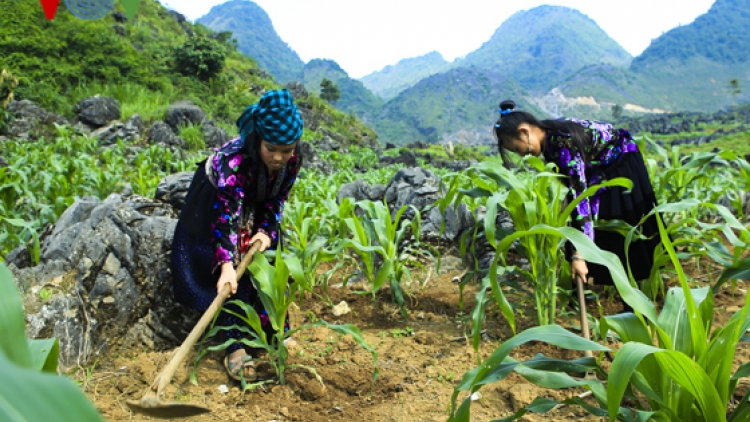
{"x": 328, "y": 144}
{"x": 456, "y": 218}
{"x": 174, "y": 188}
{"x": 213, "y": 134}
{"x": 162, "y": 134}
{"x": 96, "y": 111}
{"x": 183, "y": 113}
{"x": 407, "y": 158}
{"x": 297, "y": 89}
{"x": 360, "y": 190}
{"x": 119, "y": 17}
{"x": 414, "y": 186}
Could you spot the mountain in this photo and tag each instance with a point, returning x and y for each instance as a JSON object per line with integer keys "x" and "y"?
{"x": 543, "y": 46}
{"x": 392, "y": 79}
{"x": 256, "y": 37}
{"x": 720, "y": 35}
{"x": 355, "y": 98}
{"x": 686, "y": 68}
{"x": 460, "y": 103}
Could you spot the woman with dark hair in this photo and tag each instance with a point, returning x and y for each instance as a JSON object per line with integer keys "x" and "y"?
{"x": 235, "y": 199}
{"x": 588, "y": 153}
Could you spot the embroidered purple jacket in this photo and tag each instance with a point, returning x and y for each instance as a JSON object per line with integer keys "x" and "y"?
{"x": 235, "y": 176}
{"x": 605, "y": 146}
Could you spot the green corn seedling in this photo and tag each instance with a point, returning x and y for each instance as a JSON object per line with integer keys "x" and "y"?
{"x": 379, "y": 233}
{"x": 673, "y": 360}
{"x": 532, "y": 197}
{"x": 276, "y": 293}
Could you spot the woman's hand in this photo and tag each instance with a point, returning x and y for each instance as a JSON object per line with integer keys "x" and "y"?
{"x": 578, "y": 267}
{"x": 265, "y": 241}
{"x": 228, "y": 276}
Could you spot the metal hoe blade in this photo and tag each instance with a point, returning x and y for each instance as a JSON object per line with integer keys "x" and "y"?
{"x": 152, "y": 406}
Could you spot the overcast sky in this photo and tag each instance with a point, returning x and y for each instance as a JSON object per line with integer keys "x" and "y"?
{"x": 363, "y": 36}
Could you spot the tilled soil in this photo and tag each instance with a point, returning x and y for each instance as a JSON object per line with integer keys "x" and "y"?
{"x": 421, "y": 359}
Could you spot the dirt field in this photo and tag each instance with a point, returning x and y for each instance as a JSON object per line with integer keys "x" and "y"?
{"x": 421, "y": 358}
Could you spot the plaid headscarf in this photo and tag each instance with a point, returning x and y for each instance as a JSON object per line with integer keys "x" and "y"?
{"x": 274, "y": 118}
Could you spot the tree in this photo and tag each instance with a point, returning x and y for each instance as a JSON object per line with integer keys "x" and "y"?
{"x": 201, "y": 57}
{"x": 734, "y": 91}
{"x": 617, "y": 111}
{"x": 734, "y": 88}
{"x": 329, "y": 91}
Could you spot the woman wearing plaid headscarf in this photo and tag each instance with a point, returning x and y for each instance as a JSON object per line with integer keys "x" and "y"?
{"x": 236, "y": 198}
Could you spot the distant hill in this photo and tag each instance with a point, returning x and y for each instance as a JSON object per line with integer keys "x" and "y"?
{"x": 462, "y": 100}
{"x": 543, "y": 46}
{"x": 609, "y": 83}
{"x": 355, "y": 98}
{"x": 392, "y": 79}
{"x": 256, "y": 37}
{"x": 721, "y": 35}
{"x": 687, "y": 68}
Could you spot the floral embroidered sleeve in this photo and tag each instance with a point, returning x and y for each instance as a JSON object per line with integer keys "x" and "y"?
{"x": 225, "y": 229}
{"x": 571, "y": 162}
{"x": 268, "y": 219}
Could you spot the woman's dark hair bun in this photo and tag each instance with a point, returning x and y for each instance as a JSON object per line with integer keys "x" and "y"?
{"x": 507, "y": 105}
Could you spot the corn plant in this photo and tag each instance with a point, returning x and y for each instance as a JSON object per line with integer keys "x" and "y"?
{"x": 380, "y": 233}
{"x": 677, "y": 176}
{"x": 276, "y": 293}
{"x": 532, "y": 197}
{"x": 310, "y": 230}
{"x": 696, "y": 239}
{"x": 45, "y": 177}
{"x": 673, "y": 361}
{"x": 31, "y": 389}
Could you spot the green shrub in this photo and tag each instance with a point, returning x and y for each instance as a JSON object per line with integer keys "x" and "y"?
{"x": 201, "y": 57}
{"x": 193, "y": 137}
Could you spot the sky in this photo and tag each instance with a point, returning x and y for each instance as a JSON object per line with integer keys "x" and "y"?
{"x": 364, "y": 36}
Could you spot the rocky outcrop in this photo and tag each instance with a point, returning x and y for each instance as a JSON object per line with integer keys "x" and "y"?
{"x": 108, "y": 263}
{"x": 29, "y": 122}
{"x": 311, "y": 159}
{"x": 415, "y": 186}
{"x": 130, "y": 131}
{"x": 421, "y": 189}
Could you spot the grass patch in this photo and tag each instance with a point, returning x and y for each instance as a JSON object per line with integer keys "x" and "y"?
{"x": 193, "y": 137}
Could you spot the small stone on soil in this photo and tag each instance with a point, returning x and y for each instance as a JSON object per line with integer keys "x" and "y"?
{"x": 341, "y": 309}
